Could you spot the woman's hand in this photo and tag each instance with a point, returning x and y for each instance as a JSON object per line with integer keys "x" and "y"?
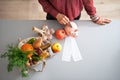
{"x": 103, "y": 21}
{"x": 97, "y": 19}
{"x": 62, "y": 19}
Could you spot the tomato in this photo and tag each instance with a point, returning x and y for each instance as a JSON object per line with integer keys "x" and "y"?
{"x": 60, "y": 33}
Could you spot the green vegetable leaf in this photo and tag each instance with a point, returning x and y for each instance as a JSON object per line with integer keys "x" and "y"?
{"x": 16, "y": 58}
{"x": 31, "y": 40}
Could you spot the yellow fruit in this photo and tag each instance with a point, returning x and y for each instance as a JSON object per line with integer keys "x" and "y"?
{"x": 56, "y": 47}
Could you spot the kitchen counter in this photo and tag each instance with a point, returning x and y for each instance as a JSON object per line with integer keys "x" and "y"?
{"x": 99, "y": 46}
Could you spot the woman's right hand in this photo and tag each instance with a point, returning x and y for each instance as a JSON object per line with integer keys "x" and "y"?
{"x": 62, "y": 19}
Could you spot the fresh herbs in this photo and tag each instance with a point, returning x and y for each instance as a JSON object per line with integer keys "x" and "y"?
{"x": 16, "y": 58}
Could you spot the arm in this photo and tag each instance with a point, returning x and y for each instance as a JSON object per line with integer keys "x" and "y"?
{"x": 91, "y": 10}
{"x": 48, "y": 7}
{"x": 89, "y": 7}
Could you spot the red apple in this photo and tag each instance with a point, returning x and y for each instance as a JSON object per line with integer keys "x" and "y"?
{"x": 60, "y": 33}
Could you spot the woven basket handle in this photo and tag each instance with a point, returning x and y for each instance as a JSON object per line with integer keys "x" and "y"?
{"x": 43, "y": 62}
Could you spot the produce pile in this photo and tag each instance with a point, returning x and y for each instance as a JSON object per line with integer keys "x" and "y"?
{"x": 36, "y": 50}
{"x": 32, "y": 51}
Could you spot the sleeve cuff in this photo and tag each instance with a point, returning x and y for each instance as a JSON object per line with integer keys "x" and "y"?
{"x": 95, "y": 17}
{"x": 53, "y": 13}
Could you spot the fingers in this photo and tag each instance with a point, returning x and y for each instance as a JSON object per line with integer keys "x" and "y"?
{"x": 62, "y": 19}
{"x": 103, "y": 21}
{"x": 107, "y": 20}
{"x": 100, "y": 21}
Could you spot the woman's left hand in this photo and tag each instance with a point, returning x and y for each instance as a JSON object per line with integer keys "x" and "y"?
{"x": 103, "y": 21}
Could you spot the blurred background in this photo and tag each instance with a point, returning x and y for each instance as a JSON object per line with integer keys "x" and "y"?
{"x": 32, "y": 10}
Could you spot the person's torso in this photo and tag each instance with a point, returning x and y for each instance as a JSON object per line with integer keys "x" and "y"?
{"x": 71, "y": 8}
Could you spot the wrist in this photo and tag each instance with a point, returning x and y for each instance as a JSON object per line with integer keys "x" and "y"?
{"x": 57, "y": 16}
{"x": 95, "y": 18}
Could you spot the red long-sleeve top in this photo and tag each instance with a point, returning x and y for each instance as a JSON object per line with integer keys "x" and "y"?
{"x": 70, "y": 8}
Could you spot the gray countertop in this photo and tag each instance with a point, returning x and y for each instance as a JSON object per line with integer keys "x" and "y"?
{"x": 99, "y": 46}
